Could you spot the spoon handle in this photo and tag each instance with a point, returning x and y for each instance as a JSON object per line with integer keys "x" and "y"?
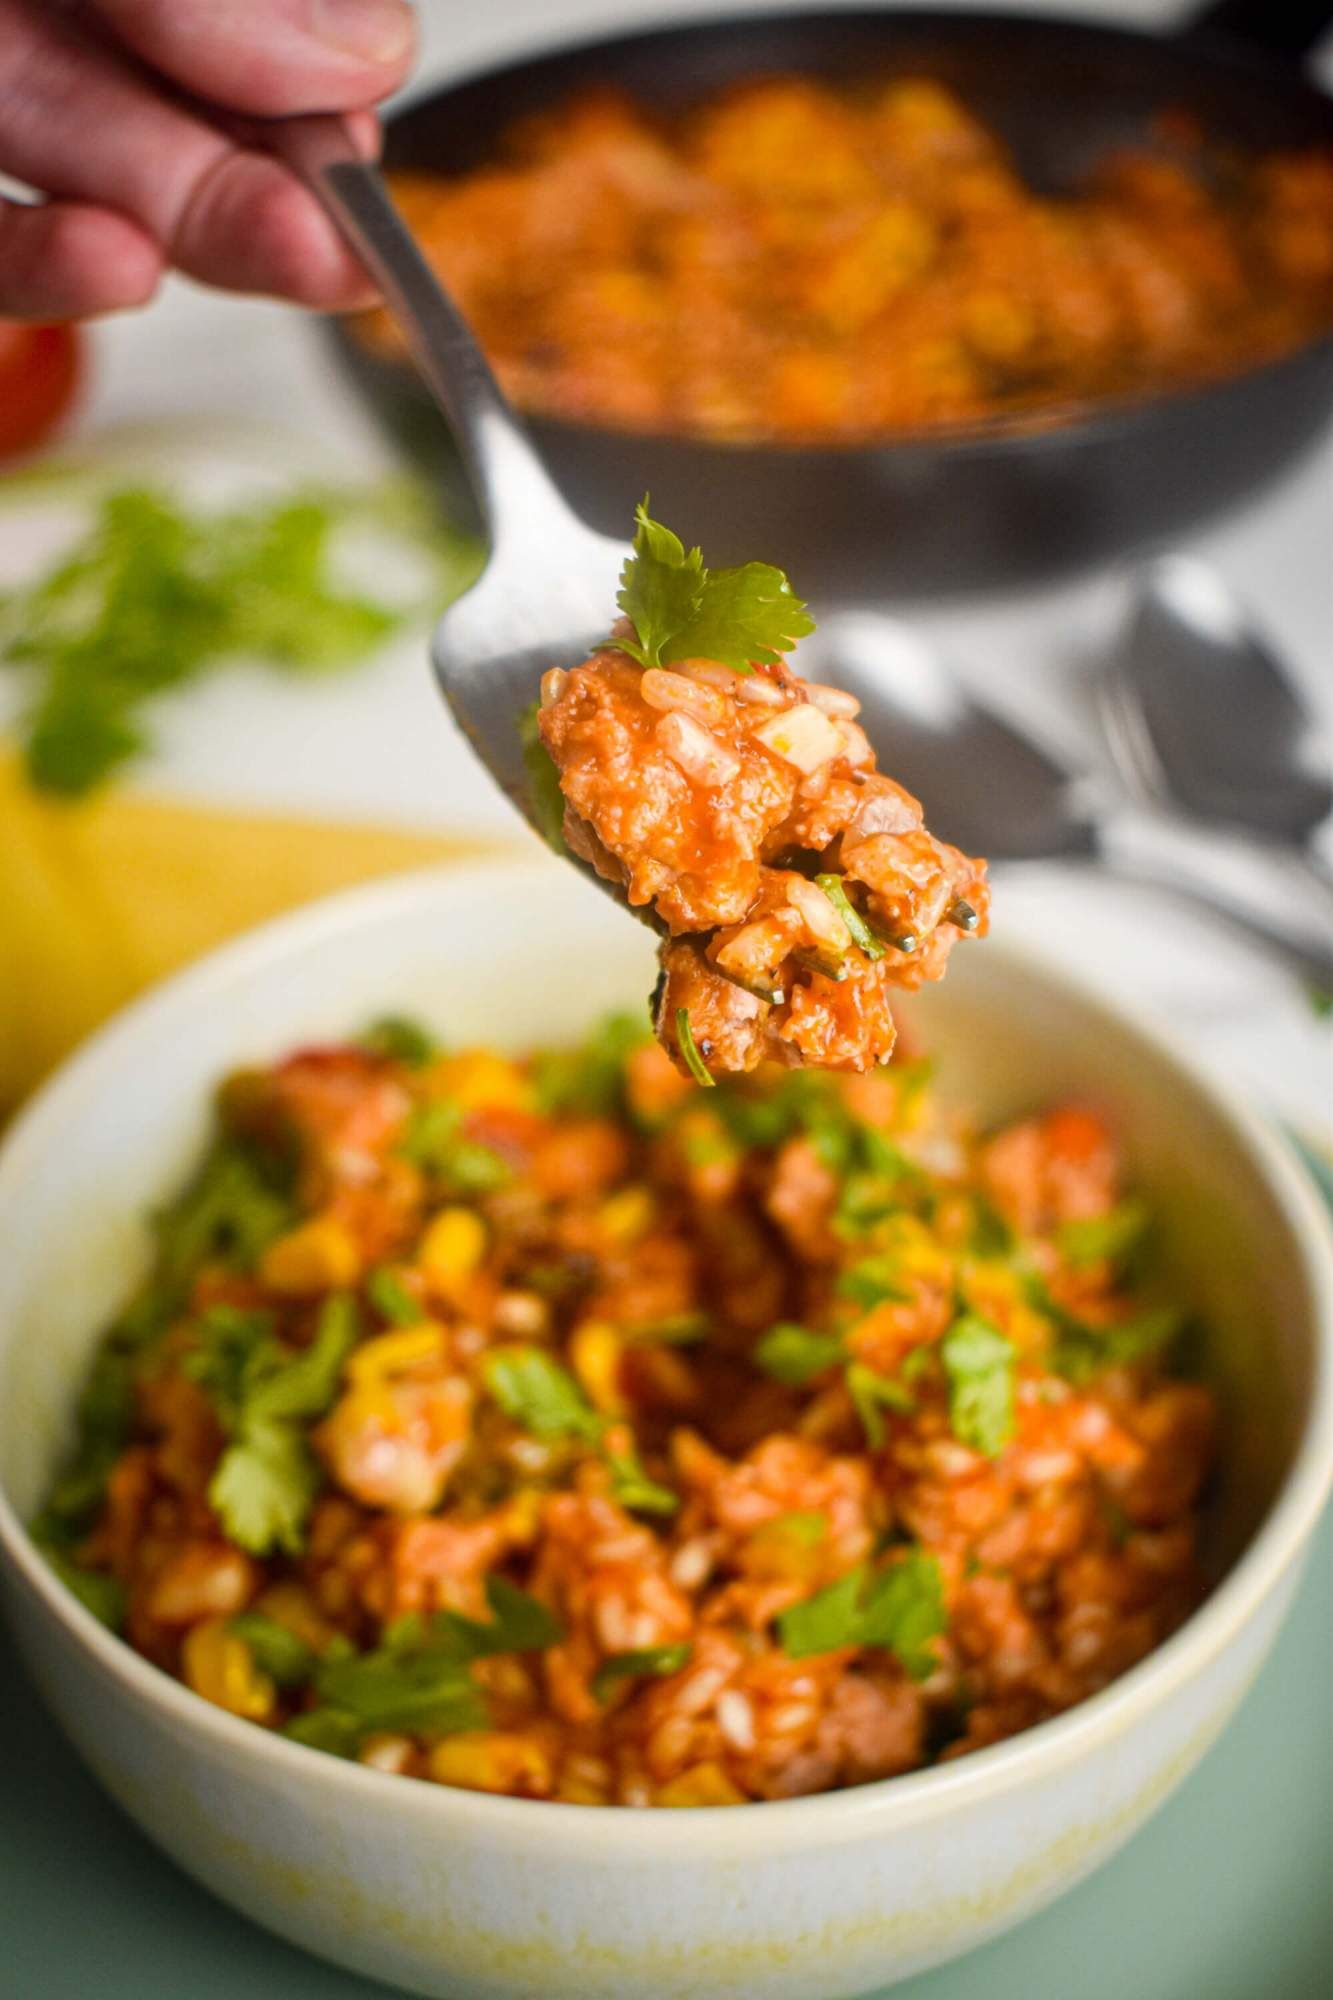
{"x": 512, "y": 486}
{"x": 1286, "y": 913}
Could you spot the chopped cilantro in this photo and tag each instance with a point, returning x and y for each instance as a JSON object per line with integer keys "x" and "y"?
{"x": 548, "y": 801}
{"x": 872, "y": 1394}
{"x": 1083, "y": 1350}
{"x": 899, "y": 1608}
{"x": 632, "y": 1487}
{"x": 1090, "y": 1239}
{"x": 873, "y": 1281}
{"x": 980, "y": 1364}
{"x": 539, "y": 1394}
{"x": 794, "y": 1355}
{"x": 96, "y": 1590}
{"x": 589, "y": 1082}
{"x": 436, "y": 1142}
{"x": 276, "y": 1651}
{"x": 391, "y": 1299}
{"x": 640, "y": 1660}
{"x": 103, "y": 1418}
{"x": 267, "y": 1476}
{"x": 680, "y": 610}
{"x": 419, "y": 1679}
{"x": 153, "y": 597}
{"x": 401, "y": 1040}
{"x": 680, "y": 1329}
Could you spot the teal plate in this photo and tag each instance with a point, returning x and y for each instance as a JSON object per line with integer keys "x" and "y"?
{"x": 1224, "y": 1895}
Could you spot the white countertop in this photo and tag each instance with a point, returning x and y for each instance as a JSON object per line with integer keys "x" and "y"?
{"x": 378, "y": 744}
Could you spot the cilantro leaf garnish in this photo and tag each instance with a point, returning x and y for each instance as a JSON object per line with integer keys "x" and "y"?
{"x": 548, "y": 801}
{"x": 541, "y": 1395}
{"x": 639, "y": 1661}
{"x": 979, "y": 1363}
{"x": 899, "y": 1608}
{"x": 873, "y": 1281}
{"x": 436, "y": 1142}
{"x": 632, "y": 1487}
{"x": 153, "y": 597}
{"x": 276, "y": 1650}
{"x": 1089, "y": 1239}
{"x": 419, "y": 1679}
{"x": 401, "y": 1040}
{"x": 589, "y": 1081}
{"x": 267, "y": 1477}
{"x": 872, "y": 1394}
{"x": 794, "y": 1355}
{"x": 681, "y": 610}
{"x": 391, "y": 1299}
{"x": 96, "y": 1589}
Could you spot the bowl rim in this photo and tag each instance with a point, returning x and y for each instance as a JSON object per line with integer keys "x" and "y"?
{"x": 785, "y": 1825}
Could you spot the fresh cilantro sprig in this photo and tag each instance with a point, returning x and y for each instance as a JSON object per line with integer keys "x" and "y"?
{"x": 401, "y": 1040}
{"x": 681, "y": 610}
{"x": 640, "y": 1661}
{"x": 154, "y": 596}
{"x": 419, "y": 1680}
{"x": 899, "y": 1608}
{"x": 979, "y": 1363}
{"x": 267, "y": 1476}
{"x": 794, "y": 1355}
{"x": 542, "y": 1396}
{"x": 589, "y": 1081}
{"x": 435, "y": 1141}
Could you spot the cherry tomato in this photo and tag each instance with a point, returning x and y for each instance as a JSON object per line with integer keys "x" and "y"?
{"x": 40, "y": 368}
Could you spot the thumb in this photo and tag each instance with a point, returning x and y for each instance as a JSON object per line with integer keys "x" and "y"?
{"x": 271, "y": 58}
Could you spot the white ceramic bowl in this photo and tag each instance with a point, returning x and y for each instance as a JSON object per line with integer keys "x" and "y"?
{"x": 451, "y": 1892}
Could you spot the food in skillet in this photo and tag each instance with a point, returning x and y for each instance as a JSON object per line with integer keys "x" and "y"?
{"x": 557, "y": 1429}
{"x": 793, "y": 262}
{"x": 798, "y": 885}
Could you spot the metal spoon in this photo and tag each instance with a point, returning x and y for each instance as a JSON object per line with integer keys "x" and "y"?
{"x": 1201, "y": 714}
{"x": 545, "y": 597}
{"x": 993, "y": 790}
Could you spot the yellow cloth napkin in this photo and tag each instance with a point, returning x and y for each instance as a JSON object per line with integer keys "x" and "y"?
{"x": 99, "y": 899}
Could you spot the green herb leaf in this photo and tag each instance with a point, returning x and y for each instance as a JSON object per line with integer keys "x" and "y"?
{"x": 539, "y": 1394}
{"x": 332, "y": 1730}
{"x": 267, "y": 1477}
{"x": 391, "y": 1299}
{"x": 548, "y": 801}
{"x": 681, "y": 610}
{"x": 401, "y": 1040}
{"x": 96, "y": 1590}
{"x": 640, "y": 1661}
{"x": 276, "y": 1651}
{"x": 631, "y": 1486}
{"x": 683, "y": 1329}
{"x": 103, "y": 1419}
{"x": 589, "y": 1082}
{"x": 900, "y": 1608}
{"x": 980, "y": 1365}
{"x": 872, "y": 1394}
{"x": 794, "y": 1355}
{"x": 435, "y": 1141}
{"x": 153, "y": 597}
{"x": 873, "y": 1281}
{"x": 694, "y": 1062}
{"x": 1090, "y": 1239}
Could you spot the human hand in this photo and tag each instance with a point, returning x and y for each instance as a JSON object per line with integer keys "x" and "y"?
{"x": 130, "y": 118}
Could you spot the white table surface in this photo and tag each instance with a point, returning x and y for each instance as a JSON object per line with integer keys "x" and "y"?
{"x": 379, "y": 745}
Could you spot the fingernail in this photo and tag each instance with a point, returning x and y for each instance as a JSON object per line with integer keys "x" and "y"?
{"x": 378, "y": 31}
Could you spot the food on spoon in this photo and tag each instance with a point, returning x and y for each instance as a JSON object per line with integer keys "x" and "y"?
{"x": 798, "y": 885}
{"x": 550, "y": 1428}
{"x": 788, "y": 260}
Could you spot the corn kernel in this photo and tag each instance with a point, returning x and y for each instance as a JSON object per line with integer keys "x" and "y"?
{"x": 394, "y": 1353}
{"x": 490, "y": 1761}
{"x": 451, "y": 1249}
{"x": 595, "y": 1352}
{"x": 702, "y": 1785}
{"x": 478, "y": 1079}
{"x": 624, "y": 1216}
{"x": 578, "y": 1792}
{"x": 317, "y": 1256}
{"x": 220, "y": 1666}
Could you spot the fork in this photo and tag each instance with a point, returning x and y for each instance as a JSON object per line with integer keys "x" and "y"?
{"x": 546, "y": 594}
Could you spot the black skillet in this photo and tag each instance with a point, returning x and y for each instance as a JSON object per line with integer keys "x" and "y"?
{"x": 1001, "y": 501}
